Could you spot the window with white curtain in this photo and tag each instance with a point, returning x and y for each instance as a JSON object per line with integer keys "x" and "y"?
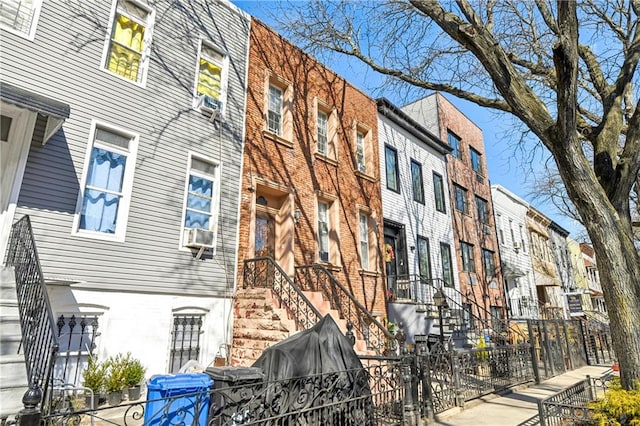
{"x": 323, "y": 231}
{"x": 107, "y": 179}
{"x": 20, "y": 16}
{"x": 201, "y": 197}
{"x": 364, "y": 241}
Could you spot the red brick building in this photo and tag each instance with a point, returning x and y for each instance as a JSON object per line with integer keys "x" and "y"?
{"x": 474, "y": 227}
{"x": 310, "y": 184}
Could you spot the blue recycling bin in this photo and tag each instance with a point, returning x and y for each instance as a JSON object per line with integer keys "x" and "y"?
{"x": 178, "y": 399}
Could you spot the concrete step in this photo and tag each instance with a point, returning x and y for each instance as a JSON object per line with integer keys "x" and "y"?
{"x": 13, "y": 384}
{"x": 266, "y": 335}
{"x": 9, "y": 324}
{"x": 265, "y": 324}
{"x": 9, "y": 343}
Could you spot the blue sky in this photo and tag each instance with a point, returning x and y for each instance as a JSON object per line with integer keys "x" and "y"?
{"x": 506, "y": 166}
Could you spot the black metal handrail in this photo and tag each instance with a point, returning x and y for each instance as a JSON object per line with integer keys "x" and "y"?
{"x": 38, "y": 326}
{"x": 264, "y": 272}
{"x": 318, "y": 278}
{"x": 422, "y": 291}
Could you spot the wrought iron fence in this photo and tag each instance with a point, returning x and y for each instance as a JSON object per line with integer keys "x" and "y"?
{"x": 264, "y": 272}
{"x": 77, "y": 334}
{"x": 318, "y": 278}
{"x": 571, "y": 405}
{"x": 39, "y": 337}
{"x": 372, "y": 395}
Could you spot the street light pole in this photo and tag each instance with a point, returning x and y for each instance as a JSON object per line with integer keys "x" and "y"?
{"x": 440, "y": 300}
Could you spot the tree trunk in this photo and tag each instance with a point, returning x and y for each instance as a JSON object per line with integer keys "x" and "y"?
{"x": 618, "y": 262}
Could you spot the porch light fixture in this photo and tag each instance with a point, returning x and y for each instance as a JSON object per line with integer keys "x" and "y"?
{"x": 296, "y": 215}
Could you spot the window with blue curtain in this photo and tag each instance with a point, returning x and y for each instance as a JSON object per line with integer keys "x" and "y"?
{"x": 200, "y": 195}
{"x": 103, "y": 188}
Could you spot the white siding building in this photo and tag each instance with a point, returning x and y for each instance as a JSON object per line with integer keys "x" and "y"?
{"x": 515, "y": 259}
{"x": 418, "y": 235}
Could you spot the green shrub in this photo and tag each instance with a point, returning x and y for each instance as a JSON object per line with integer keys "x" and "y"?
{"x": 133, "y": 370}
{"x": 95, "y": 375}
{"x": 116, "y": 379}
{"x": 618, "y": 406}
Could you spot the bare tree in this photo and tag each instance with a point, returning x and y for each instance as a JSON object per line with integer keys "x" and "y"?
{"x": 566, "y": 71}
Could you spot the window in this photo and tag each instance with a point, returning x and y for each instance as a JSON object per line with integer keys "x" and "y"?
{"x": 361, "y": 158}
{"x": 20, "y": 16}
{"x": 424, "y": 259}
{"x": 513, "y": 237}
{"x": 476, "y": 161}
{"x": 482, "y": 208}
{"x": 364, "y": 241}
{"x": 323, "y": 231}
{"x": 130, "y": 37}
{"x": 500, "y": 231}
{"x": 201, "y": 202}
{"x": 488, "y": 263}
{"x": 210, "y": 77}
{"x": 447, "y": 267}
{"x": 323, "y": 132}
{"x": 78, "y": 335}
{"x": 454, "y": 141}
{"x": 523, "y": 247}
{"x": 106, "y": 187}
{"x": 416, "y": 182}
{"x": 438, "y": 190}
{"x": 274, "y": 114}
{"x": 185, "y": 340}
{"x": 496, "y": 318}
{"x": 461, "y": 199}
{"x": 391, "y": 164}
{"x": 468, "y": 264}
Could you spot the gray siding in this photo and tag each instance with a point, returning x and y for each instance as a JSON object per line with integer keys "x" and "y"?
{"x": 425, "y": 112}
{"x": 64, "y": 63}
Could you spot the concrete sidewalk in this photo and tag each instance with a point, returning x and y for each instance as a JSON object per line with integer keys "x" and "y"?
{"x": 516, "y": 407}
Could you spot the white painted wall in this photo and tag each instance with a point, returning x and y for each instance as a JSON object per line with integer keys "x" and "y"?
{"x": 510, "y": 213}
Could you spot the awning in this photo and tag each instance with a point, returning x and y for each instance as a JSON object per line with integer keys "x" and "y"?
{"x": 55, "y": 111}
{"x": 512, "y": 271}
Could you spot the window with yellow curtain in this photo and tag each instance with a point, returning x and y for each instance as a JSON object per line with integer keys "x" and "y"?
{"x": 127, "y": 43}
{"x": 210, "y": 65}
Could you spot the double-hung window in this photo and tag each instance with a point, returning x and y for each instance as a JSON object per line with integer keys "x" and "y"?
{"x": 447, "y": 266}
{"x": 274, "y": 110}
{"x": 323, "y": 231}
{"x": 201, "y": 203}
{"x": 20, "y": 16}
{"x": 438, "y": 191}
{"x": 391, "y": 167}
{"x": 476, "y": 161}
{"x": 424, "y": 258}
{"x": 364, "y": 241}
{"x": 210, "y": 77}
{"x": 106, "y": 188}
{"x": 129, "y": 40}
{"x": 454, "y": 141}
{"x": 488, "y": 263}
{"x": 416, "y": 182}
{"x": 361, "y": 158}
{"x": 323, "y": 132}
{"x": 468, "y": 263}
{"x": 185, "y": 340}
{"x": 482, "y": 209}
{"x": 461, "y": 199}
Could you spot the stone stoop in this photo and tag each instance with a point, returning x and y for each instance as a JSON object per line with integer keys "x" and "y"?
{"x": 13, "y": 372}
{"x": 258, "y": 324}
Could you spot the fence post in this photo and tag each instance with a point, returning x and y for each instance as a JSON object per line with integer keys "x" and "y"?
{"x": 422, "y": 360}
{"x": 541, "y": 413}
{"x": 31, "y": 415}
{"x": 584, "y": 343}
{"x": 410, "y": 391}
{"x": 534, "y": 355}
{"x": 455, "y": 369}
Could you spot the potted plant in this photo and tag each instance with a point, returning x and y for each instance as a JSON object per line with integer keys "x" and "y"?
{"x": 134, "y": 374}
{"x": 116, "y": 380}
{"x": 94, "y": 377}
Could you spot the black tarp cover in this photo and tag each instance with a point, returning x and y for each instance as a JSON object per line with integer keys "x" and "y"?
{"x": 321, "y": 349}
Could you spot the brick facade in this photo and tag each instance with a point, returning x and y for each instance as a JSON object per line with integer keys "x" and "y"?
{"x": 285, "y": 176}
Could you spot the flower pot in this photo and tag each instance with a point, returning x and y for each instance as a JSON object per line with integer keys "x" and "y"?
{"x": 114, "y": 398}
{"x": 134, "y": 392}
{"x": 92, "y": 401}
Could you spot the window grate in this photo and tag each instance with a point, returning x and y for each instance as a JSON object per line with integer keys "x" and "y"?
{"x": 185, "y": 340}
{"x": 77, "y": 335}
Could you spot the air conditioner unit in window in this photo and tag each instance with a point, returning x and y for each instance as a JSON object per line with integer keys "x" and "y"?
{"x": 198, "y": 238}
{"x": 208, "y": 103}
{"x": 516, "y": 246}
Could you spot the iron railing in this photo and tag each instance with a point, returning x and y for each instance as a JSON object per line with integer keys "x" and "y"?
{"x": 368, "y": 396}
{"x": 38, "y": 326}
{"x": 571, "y": 405}
{"x": 597, "y": 340}
{"x": 420, "y": 290}
{"x": 264, "y": 272}
{"x": 318, "y": 278}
